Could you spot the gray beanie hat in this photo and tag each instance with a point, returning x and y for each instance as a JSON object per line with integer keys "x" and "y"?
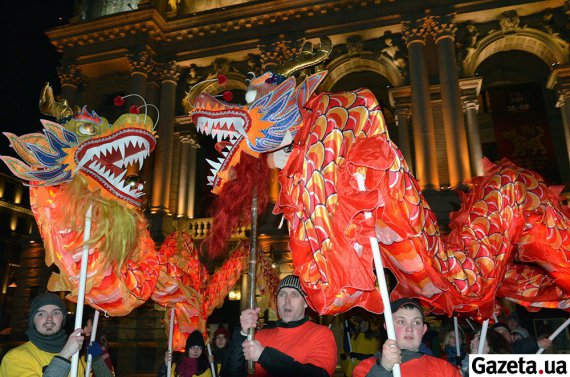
{"x": 291, "y": 281}
{"x": 46, "y": 299}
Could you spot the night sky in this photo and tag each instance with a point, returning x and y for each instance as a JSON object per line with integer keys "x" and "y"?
{"x": 28, "y": 61}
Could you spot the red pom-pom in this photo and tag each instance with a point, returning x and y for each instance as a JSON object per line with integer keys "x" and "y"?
{"x": 222, "y": 79}
{"x": 134, "y": 109}
{"x": 119, "y": 101}
{"x": 227, "y": 96}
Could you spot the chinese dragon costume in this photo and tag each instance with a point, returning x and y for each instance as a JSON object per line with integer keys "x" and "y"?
{"x": 82, "y": 160}
{"x": 186, "y": 285}
{"x": 509, "y": 239}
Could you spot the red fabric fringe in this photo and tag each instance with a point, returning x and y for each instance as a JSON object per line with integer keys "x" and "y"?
{"x": 232, "y": 208}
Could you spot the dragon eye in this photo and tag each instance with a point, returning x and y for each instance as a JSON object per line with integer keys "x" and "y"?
{"x": 87, "y": 129}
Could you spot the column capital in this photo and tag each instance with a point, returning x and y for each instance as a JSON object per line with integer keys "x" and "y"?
{"x": 469, "y": 104}
{"x": 443, "y": 27}
{"x": 168, "y": 72}
{"x": 279, "y": 52}
{"x": 559, "y": 80}
{"x": 70, "y": 76}
{"x": 140, "y": 63}
{"x": 416, "y": 31}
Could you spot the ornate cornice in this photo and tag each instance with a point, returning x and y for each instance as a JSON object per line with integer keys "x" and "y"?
{"x": 70, "y": 76}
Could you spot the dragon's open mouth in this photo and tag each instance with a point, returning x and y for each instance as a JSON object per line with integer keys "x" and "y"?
{"x": 106, "y": 160}
{"x": 227, "y": 125}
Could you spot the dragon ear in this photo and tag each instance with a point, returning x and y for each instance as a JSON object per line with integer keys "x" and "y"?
{"x": 306, "y": 89}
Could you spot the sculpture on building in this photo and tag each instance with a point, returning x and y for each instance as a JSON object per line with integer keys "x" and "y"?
{"x": 80, "y": 161}
{"x": 393, "y": 53}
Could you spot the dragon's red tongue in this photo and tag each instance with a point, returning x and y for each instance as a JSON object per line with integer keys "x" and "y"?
{"x": 221, "y": 145}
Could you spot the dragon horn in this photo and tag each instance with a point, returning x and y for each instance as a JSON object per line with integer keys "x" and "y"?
{"x": 49, "y": 106}
{"x": 307, "y": 59}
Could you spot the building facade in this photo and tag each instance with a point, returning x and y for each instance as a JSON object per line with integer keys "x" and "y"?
{"x": 457, "y": 81}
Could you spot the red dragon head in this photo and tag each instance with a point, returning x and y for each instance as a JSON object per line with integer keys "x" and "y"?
{"x": 268, "y": 122}
{"x": 84, "y": 143}
{"x": 81, "y": 162}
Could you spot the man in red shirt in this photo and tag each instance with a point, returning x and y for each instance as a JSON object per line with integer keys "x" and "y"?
{"x": 294, "y": 347}
{"x": 409, "y": 327}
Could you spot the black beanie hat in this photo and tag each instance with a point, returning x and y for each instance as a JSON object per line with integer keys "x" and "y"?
{"x": 194, "y": 339}
{"x": 46, "y": 299}
{"x": 291, "y": 281}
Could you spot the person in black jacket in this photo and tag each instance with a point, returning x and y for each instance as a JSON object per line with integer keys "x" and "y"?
{"x": 527, "y": 345}
{"x": 295, "y": 346}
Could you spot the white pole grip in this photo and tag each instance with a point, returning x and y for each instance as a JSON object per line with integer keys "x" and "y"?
{"x": 381, "y": 278}
{"x": 555, "y": 334}
{"x": 82, "y": 281}
{"x": 91, "y": 340}
{"x": 483, "y": 336}
{"x": 212, "y": 364}
{"x": 170, "y": 334}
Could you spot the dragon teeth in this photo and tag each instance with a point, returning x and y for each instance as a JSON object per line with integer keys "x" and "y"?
{"x": 214, "y": 164}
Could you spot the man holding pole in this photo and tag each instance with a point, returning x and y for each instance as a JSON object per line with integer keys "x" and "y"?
{"x": 409, "y": 327}
{"x": 294, "y": 347}
{"x": 49, "y": 350}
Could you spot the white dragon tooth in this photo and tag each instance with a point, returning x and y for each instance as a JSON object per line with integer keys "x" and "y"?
{"x": 141, "y": 159}
{"x": 210, "y": 180}
{"x": 221, "y": 160}
{"x": 119, "y": 178}
{"x": 220, "y": 136}
{"x": 214, "y": 164}
{"x": 122, "y": 150}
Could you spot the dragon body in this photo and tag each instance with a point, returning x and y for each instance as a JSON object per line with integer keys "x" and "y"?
{"x": 194, "y": 293}
{"x": 509, "y": 239}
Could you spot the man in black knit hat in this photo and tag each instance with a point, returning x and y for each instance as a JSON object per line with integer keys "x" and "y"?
{"x": 49, "y": 349}
{"x": 294, "y": 347}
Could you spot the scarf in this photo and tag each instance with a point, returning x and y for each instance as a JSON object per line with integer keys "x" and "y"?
{"x": 188, "y": 367}
{"x": 48, "y": 343}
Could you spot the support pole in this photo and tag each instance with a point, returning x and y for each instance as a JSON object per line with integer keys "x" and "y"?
{"x": 252, "y": 270}
{"x": 555, "y": 334}
{"x": 381, "y": 278}
{"x": 213, "y": 363}
{"x": 170, "y": 335}
{"x": 91, "y": 340}
{"x": 82, "y": 282}
{"x": 483, "y": 336}
{"x": 457, "y": 345}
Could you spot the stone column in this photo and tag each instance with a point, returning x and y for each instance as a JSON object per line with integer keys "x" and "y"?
{"x": 186, "y": 194}
{"x": 559, "y": 80}
{"x": 70, "y": 78}
{"x": 475, "y": 150}
{"x": 443, "y": 31}
{"x": 422, "y": 116}
{"x": 163, "y": 155}
{"x": 141, "y": 65}
{"x": 470, "y": 89}
{"x": 403, "y": 123}
{"x": 152, "y": 96}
